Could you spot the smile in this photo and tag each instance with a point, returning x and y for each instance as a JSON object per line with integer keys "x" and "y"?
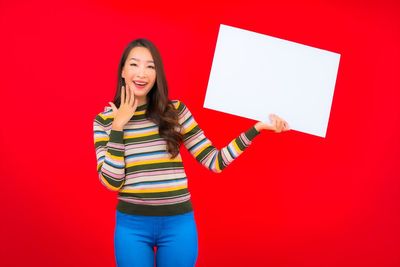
{"x": 140, "y": 85}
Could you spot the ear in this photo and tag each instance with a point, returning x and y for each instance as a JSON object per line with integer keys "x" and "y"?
{"x": 123, "y": 73}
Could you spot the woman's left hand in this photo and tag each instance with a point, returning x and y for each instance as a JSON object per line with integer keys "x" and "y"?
{"x": 277, "y": 124}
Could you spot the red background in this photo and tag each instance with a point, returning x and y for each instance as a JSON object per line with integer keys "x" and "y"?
{"x": 291, "y": 199}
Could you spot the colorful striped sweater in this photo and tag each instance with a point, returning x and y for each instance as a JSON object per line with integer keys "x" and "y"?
{"x": 135, "y": 161}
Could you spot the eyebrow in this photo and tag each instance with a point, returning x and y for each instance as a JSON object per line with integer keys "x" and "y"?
{"x": 149, "y": 61}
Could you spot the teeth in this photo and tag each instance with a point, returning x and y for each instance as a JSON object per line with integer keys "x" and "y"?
{"x": 139, "y": 83}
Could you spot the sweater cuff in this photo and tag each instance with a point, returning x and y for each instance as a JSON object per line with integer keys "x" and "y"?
{"x": 251, "y": 133}
{"x": 117, "y": 137}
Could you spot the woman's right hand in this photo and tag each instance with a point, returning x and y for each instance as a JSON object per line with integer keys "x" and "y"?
{"x": 126, "y": 109}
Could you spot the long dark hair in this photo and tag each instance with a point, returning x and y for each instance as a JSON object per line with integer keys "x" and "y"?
{"x": 160, "y": 109}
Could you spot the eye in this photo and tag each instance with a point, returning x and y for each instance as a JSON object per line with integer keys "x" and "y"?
{"x": 152, "y": 67}
{"x": 133, "y": 64}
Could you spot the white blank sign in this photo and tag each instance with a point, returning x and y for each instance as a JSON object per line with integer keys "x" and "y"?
{"x": 254, "y": 75}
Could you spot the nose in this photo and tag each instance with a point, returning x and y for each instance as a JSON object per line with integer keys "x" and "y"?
{"x": 141, "y": 72}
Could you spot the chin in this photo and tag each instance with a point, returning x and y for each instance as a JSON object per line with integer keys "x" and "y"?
{"x": 141, "y": 92}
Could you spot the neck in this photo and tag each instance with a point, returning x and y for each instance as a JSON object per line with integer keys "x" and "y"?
{"x": 142, "y": 100}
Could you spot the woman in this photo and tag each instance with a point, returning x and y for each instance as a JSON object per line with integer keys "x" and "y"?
{"x": 137, "y": 142}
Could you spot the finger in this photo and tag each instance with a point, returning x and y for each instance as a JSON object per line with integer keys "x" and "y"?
{"x": 114, "y": 108}
{"x": 122, "y": 95}
{"x": 275, "y": 123}
{"x": 132, "y": 99}
{"x": 278, "y": 129}
{"x": 272, "y": 119}
{"x": 287, "y": 128}
{"x": 284, "y": 126}
{"x": 280, "y": 125}
{"x": 127, "y": 93}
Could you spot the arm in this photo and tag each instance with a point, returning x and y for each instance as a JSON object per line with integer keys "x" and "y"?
{"x": 110, "y": 150}
{"x": 201, "y": 147}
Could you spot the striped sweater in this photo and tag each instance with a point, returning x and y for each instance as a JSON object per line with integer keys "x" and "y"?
{"x": 135, "y": 161}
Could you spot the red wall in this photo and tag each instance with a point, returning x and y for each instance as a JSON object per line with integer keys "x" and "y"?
{"x": 290, "y": 200}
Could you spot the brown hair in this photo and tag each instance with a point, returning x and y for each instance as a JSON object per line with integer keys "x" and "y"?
{"x": 160, "y": 109}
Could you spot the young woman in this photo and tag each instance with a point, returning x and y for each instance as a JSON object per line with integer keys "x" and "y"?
{"x": 137, "y": 141}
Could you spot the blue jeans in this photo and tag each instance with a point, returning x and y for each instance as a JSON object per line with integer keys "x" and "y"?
{"x": 175, "y": 238}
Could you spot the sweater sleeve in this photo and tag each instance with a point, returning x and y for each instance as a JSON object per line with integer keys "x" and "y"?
{"x": 110, "y": 151}
{"x": 201, "y": 147}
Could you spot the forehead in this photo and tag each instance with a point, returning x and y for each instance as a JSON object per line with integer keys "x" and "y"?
{"x": 140, "y": 53}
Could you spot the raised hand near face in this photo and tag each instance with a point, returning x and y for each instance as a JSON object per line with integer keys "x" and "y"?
{"x": 126, "y": 109}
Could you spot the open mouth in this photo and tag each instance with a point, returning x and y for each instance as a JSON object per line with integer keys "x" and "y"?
{"x": 139, "y": 85}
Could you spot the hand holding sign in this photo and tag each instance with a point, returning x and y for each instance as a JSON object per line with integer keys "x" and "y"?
{"x": 277, "y": 124}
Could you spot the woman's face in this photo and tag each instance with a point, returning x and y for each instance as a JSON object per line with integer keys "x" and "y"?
{"x": 139, "y": 72}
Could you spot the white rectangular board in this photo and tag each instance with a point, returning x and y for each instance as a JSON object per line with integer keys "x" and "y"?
{"x": 254, "y": 75}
